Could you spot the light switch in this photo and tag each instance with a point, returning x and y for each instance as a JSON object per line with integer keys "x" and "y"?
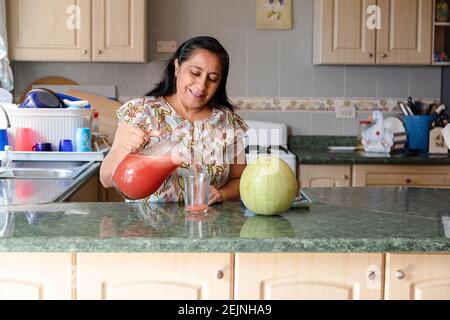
{"x": 166, "y": 46}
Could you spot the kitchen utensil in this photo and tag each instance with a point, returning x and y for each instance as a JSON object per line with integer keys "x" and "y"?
{"x": 24, "y": 139}
{"x": 47, "y": 80}
{"x": 106, "y": 108}
{"x": 65, "y": 145}
{"x": 42, "y": 147}
{"x": 141, "y": 174}
{"x": 83, "y": 140}
{"x": 4, "y": 141}
{"x": 418, "y": 131}
{"x": 41, "y": 98}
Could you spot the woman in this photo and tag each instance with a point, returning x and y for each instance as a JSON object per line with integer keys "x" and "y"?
{"x": 191, "y": 104}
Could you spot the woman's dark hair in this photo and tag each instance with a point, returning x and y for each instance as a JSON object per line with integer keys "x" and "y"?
{"x": 167, "y": 85}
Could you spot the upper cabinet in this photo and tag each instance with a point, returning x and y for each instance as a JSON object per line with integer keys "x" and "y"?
{"x": 78, "y": 30}
{"x": 373, "y": 31}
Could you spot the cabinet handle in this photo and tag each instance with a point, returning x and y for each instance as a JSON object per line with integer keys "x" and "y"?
{"x": 370, "y": 55}
{"x": 99, "y": 51}
{"x": 383, "y": 55}
{"x": 345, "y": 177}
{"x": 408, "y": 180}
{"x": 219, "y": 275}
{"x": 399, "y": 274}
{"x": 84, "y": 52}
{"x": 371, "y": 275}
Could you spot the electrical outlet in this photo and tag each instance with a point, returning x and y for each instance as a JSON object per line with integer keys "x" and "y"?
{"x": 348, "y": 112}
{"x": 166, "y": 46}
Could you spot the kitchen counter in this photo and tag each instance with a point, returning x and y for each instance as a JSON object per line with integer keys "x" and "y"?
{"x": 338, "y": 220}
{"x": 314, "y": 150}
{"x": 40, "y": 191}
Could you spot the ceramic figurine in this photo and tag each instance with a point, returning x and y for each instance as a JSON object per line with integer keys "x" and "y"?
{"x": 377, "y": 138}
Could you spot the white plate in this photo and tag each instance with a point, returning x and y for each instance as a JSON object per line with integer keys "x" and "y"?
{"x": 395, "y": 125}
{"x": 5, "y": 96}
{"x": 341, "y": 148}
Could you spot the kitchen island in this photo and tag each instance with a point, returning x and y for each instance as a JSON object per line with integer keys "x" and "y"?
{"x": 352, "y": 243}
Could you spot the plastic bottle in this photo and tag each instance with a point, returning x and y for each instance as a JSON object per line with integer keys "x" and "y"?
{"x": 95, "y": 123}
{"x": 7, "y": 160}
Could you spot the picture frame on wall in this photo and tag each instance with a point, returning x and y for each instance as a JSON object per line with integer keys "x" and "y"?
{"x": 274, "y": 14}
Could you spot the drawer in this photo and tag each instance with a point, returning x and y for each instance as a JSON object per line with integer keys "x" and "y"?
{"x": 409, "y": 176}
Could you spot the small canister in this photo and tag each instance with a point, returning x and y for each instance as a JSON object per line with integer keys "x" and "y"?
{"x": 83, "y": 140}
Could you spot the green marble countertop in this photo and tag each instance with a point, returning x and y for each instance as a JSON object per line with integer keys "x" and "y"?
{"x": 338, "y": 220}
{"x": 314, "y": 150}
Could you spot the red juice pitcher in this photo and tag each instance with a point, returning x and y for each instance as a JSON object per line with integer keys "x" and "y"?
{"x": 141, "y": 174}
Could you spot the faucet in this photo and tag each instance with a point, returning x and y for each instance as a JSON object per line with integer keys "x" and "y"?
{"x": 8, "y": 123}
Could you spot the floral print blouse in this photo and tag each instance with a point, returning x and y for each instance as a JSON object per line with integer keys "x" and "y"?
{"x": 214, "y": 142}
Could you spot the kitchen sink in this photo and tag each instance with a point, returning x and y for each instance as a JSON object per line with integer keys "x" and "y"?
{"x": 45, "y": 169}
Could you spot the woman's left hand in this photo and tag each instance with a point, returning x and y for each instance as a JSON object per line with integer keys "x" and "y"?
{"x": 214, "y": 196}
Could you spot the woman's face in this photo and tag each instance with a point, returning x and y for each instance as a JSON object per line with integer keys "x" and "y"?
{"x": 198, "y": 78}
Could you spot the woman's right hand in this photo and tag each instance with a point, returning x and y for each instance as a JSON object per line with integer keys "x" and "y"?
{"x": 129, "y": 139}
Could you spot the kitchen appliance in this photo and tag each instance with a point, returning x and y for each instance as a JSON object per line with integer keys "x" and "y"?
{"x": 268, "y": 138}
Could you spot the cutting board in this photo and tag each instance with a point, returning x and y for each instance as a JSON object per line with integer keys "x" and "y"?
{"x": 106, "y": 108}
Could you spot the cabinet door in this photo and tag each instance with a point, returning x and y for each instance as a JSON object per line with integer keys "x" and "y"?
{"x": 88, "y": 192}
{"x": 154, "y": 276}
{"x": 44, "y": 30}
{"x": 318, "y": 176}
{"x": 417, "y": 277}
{"x": 405, "y": 36}
{"x": 120, "y": 30}
{"x": 341, "y": 35}
{"x": 329, "y": 276}
{"x": 401, "y": 176}
{"x": 35, "y": 276}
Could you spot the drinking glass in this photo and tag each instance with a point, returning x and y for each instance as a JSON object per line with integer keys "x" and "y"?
{"x": 196, "y": 191}
{"x": 24, "y": 139}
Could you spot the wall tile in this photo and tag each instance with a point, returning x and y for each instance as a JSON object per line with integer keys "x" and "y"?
{"x": 263, "y": 81}
{"x": 393, "y": 81}
{"x": 164, "y": 14}
{"x": 299, "y": 123}
{"x": 303, "y": 17}
{"x": 198, "y": 15}
{"x": 296, "y": 48}
{"x": 132, "y": 79}
{"x": 231, "y": 15}
{"x": 296, "y": 80}
{"x": 268, "y": 116}
{"x": 426, "y": 82}
{"x": 328, "y": 81}
{"x": 263, "y": 47}
{"x": 361, "y": 81}
{"x": 237, "y": 80}
{"x": 326, "y": 123}
{"x": 236, "y": 45}
{"x": 95, "y": 73}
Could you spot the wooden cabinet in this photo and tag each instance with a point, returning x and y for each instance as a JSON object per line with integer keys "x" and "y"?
{"x": 346, "y": 32}
{"x": 181, "y": 276}
{"x": 87, "y": 192}
{"x": 341, "y": 35}
{"x": 36, "y": 276}
{"x": 417, "y": 277}
{"x": 321, "y": 176}
{"x": 119, "y": 30}
{"x": 396, "y": 175}
{"x": 77, "y": 30}
{"x": 283, "y": 276}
